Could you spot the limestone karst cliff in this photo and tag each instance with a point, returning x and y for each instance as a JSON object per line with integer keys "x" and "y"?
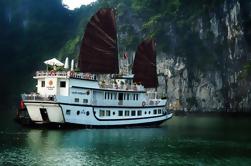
{"x": 203, "y": 47}
{"x": 215, "y": 84}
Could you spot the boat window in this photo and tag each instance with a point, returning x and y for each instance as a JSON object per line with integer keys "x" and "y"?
{"x": 108, "y": 113}
{"x": 120, "y": 96}
{"x": 133, "y": 96}
{"x": 78, "y": 112}
{"x": 42, "y": 83}
{"x": 108, "y": 95}
{"x": 76, "y": 100}
{"x": 62, "y": 84}
{"x": 113, "y": 113}
{"x": 149, "y": 112}
{"x": 133, "y": 113}
{"x": 68, "y": 112}
{"x": 154, "y": 111}
{"x": 85, "y": 100}
{"x": 101, "y": 113}
{"x": 120, "y": 113}
{"x": 105, "y": 95}
{"x": 128, "y": 96}
{"x": 137, "y": 96}
{"x": 87, "y": 113}
{"x": 139, "y": 113}
{"x": 159, "y": 111}
{"x": 127, "y": 112}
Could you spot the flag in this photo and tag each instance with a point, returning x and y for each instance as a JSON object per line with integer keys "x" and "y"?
{"x": 125, "y": 55}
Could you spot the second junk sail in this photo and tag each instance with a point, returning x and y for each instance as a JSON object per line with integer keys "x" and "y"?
{"x": 144, "y": 67}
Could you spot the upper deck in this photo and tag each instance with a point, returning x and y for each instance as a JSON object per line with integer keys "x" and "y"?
{"x": 118, "y": 83}
{"x": 59, "y": 85}
{"x": 64, "y": 74}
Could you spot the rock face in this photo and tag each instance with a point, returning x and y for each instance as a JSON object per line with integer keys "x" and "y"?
{"x": 211, "y": 83}
{"x": 202, "y": 93}
{"x": 203, "y": 47}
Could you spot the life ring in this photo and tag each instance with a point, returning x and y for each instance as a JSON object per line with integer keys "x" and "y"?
{"x": 143, "y": 103}
{"x": 52, "y": 73}
{"x": 72, "y": 73}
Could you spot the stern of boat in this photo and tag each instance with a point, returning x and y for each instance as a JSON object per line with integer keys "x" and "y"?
{"x": 43, "y": 110}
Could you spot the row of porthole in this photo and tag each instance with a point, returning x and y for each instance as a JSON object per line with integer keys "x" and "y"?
{"x": 87, "y": 113}
{"x": 103, "y": 113}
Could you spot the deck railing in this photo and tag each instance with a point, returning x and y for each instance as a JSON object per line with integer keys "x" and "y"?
{"x": 155, "y": 95}
{"x": 37, "y": 97}
{"x": 124, "y": 87}
{"x": 69, "y": 74}
{"x": 51, "y": 73}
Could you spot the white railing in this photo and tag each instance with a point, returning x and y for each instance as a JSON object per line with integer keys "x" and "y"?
{"x": 85, "y": 76}
{"x": 154, "y": 95}
{"x": 69, "y": 74}
{"x": 121, "y": 87}
{"x": 37, "y": 97}
{"x": 51, "y": 73}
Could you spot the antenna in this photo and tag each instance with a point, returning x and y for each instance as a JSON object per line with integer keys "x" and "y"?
{"x": 72, "y": 64}
{"x": 66, "y": 63}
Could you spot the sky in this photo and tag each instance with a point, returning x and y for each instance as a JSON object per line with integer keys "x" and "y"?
{"x": 76, "y": 3}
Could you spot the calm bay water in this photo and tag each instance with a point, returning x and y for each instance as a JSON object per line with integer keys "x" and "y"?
{"x": 184, "y": 140}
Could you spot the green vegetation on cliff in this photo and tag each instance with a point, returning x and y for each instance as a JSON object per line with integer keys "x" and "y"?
{"x": 31, "y": 31}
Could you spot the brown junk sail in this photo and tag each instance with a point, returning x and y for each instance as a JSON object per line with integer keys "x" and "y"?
{"x": 144, "y": 67}
{"x": 98, "y": 52}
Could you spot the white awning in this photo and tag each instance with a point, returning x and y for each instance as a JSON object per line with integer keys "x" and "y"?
{"x": 54, "y": 62}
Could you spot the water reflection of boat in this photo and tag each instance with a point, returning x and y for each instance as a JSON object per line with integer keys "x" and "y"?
{"x": 91, "y": 146}
{"x": 71, "y": 97}
{"x": 51, "y": 139}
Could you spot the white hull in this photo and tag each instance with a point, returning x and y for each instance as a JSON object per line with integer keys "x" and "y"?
{"x": 53, "y": 110}
{"x": 89, "y": 115}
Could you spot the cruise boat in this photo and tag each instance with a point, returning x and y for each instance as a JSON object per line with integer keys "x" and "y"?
{"x": 96, "y": 94}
